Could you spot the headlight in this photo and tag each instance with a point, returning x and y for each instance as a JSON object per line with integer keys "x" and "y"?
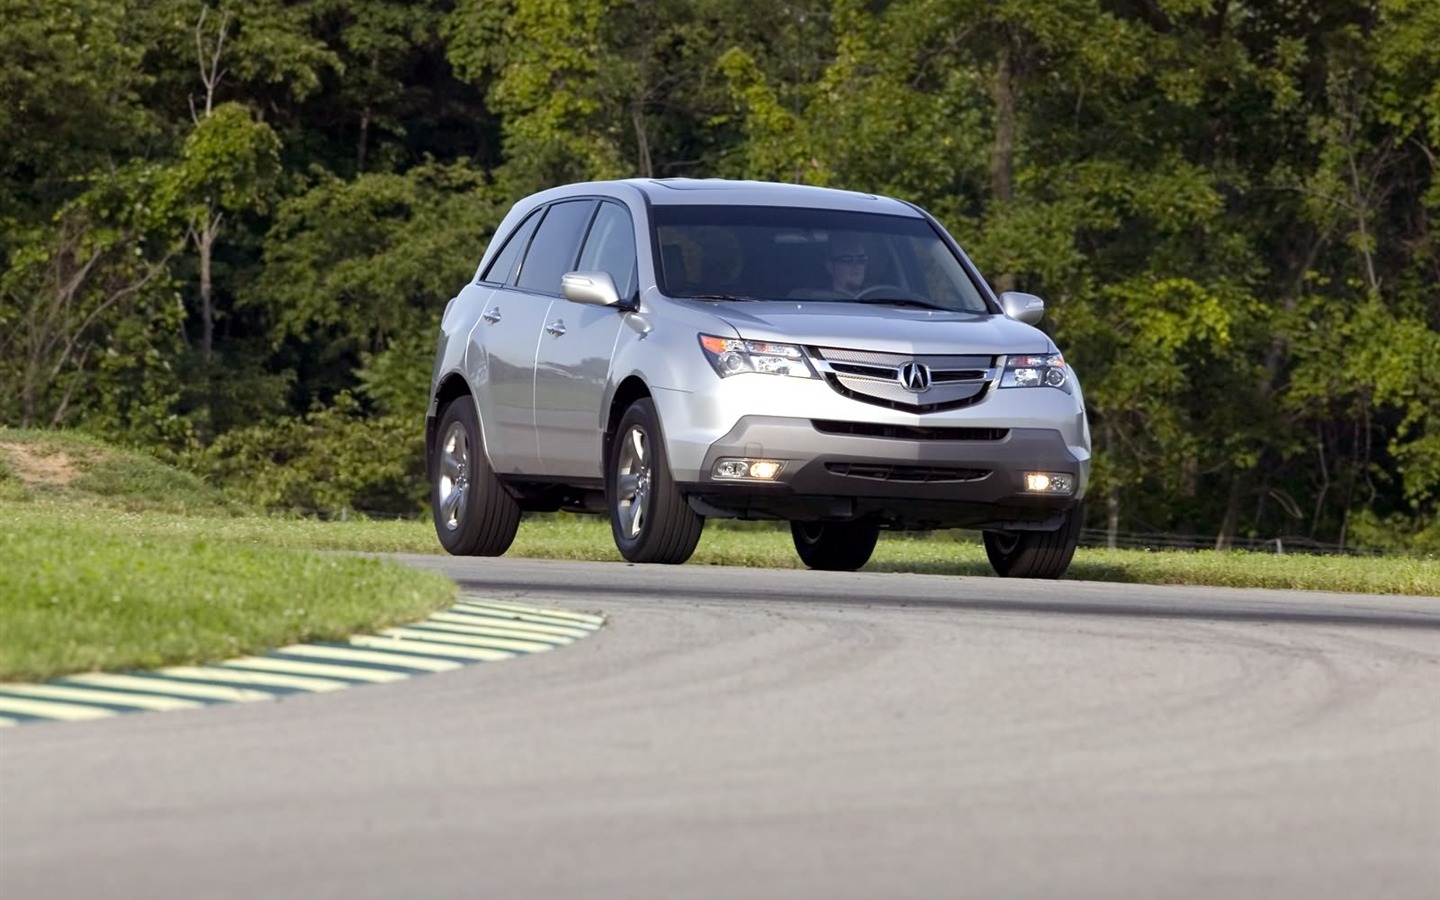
{"x": 730, "y": 356}
{"x": 1036, "y": 371}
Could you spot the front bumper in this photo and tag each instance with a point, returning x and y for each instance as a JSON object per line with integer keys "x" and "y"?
{"x": 916, "y": 478}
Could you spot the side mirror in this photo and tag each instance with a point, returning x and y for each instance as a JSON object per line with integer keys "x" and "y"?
{"x": 595, "y": 288}
{"x": 1026, "y": 308}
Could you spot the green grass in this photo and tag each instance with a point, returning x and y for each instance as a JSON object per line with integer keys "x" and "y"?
{"x": 113, "y": 560}
{"x": 764, "y": 545}
{"x": 74, "y": 468}
{"x": 80, "y": 594}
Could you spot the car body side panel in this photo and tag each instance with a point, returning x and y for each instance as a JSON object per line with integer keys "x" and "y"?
{"x": 500, "y": 366}
{"x": 571, "y": 375}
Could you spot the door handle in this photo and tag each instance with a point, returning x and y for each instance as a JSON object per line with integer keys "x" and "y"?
{"x": 556, "y": 327}
{"x": 491, "y": 315}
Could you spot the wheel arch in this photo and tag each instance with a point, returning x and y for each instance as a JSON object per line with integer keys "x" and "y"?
{"x": 451, "y": 387}
{"x": 627, "y": 392}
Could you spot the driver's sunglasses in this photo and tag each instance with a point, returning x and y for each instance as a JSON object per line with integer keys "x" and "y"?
{"x": 850, "y": 258}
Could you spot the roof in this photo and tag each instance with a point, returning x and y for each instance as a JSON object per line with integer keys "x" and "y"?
{"x": 719, "y": 191}
{"x": 723, "y": 192}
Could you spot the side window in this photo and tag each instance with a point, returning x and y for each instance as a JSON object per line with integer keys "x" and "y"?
{"x": 502, "y": 269}
{"x": 610, "y": 247}
{"x": 552, "y": 252}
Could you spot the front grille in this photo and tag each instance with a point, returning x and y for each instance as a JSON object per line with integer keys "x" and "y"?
{"x": 956, "y": 381}
{"x": 909, "y": 432}
{"x": 942, "y": 377}
{"x": 907, "y": 474}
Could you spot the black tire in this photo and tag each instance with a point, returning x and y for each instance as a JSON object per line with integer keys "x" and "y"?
{"x": 835, "y": 546}
{"x": 649, "y": 517}
{"x": 474, "y": 514}
{"x": 1035, "y": 554}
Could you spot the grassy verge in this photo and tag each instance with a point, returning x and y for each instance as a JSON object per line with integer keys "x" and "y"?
{"x": 112, "y": 560}
{"x": 78, "y": 594}
{"x": 757, "y": 545}
{"x": 67, "y": 467}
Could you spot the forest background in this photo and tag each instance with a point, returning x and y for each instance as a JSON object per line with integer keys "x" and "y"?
{"x": 228, "y": 229}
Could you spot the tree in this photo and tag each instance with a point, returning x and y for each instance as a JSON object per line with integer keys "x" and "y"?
{"x": 87, "y": 303}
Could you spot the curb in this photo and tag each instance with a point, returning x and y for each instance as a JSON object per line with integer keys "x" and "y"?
{"x": 473, "y": 630}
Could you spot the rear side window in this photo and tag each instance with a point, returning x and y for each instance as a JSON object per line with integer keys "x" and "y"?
{"x": 610, "y": 247}
{"x": 502, "y": 269}
{"x": 557, "y": 241}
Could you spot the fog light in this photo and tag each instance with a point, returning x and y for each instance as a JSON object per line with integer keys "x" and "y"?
{"x": 765, "y": 469}
{"x": 757, "y": 469}
{"x": 731, "y": 468}
{"x": 1049, "y": 483}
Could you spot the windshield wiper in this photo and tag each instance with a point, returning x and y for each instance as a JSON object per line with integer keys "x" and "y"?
{"x": 733, "y": 297}
{"x": 902, "y": 301}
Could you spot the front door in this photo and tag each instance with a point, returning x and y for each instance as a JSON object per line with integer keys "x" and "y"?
{"x": 572, "y": 364}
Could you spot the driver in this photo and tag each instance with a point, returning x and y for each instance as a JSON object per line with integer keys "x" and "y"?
{"x": 846, "y": 265}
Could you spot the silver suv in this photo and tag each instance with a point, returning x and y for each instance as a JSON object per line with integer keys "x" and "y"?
{"x": 664, "y": 351}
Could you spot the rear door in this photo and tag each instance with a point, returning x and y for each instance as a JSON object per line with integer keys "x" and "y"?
{"x": 506, "y": 336}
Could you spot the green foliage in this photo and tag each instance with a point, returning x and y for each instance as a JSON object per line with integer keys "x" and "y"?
{"x": 229, "y": 162}
{"x": 228, "y": 228}
{"x": 396, "y": 381}
{"x": 89, "y": 315}
{"x": 353, "y": 264}
{"x": 330, "y": 462}
{"x": 357, "y": 275}
{"x": 573, "y": 82}
{"x": 1417, "y": 535}
{"x": 71, "y": 84}
{"x": 267, "y": 48}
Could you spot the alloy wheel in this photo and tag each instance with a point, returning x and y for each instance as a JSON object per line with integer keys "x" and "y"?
{"x": 454, "y": 481}
{"x": 632, "y": 481}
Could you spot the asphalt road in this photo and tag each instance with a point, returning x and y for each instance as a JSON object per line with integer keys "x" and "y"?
{"x": 789, "y": 734}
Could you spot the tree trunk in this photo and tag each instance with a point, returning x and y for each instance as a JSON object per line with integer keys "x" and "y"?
{"x": 642, "y": 140}
{"x": 1002, "y": 162}
{"x": 1226, "y": 536}
{"x": 205, "y": 238}
{"x": 1112, "y": 518}
{"x": 363, "y": 146}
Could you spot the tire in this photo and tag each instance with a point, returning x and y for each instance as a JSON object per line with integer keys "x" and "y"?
{"x": 474, "y": 514}
{"x": 649, "y": 518}
{"x": 835, "y": 546}
{"x": 1035, "y": 554}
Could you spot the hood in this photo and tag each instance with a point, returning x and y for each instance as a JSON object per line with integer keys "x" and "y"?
{"x": 884, "y": 329}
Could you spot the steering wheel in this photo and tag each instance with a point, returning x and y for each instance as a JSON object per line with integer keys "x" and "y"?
{"x": 887, "y": 290}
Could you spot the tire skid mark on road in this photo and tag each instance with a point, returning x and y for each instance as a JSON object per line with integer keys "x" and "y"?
{"x": 473, "y": 630}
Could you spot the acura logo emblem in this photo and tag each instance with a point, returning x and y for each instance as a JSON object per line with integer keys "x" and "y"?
{"x": 914, "y": 377}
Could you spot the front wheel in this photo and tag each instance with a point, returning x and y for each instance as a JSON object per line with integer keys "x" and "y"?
{"x": 835, "y": 546}
{"x": 474, "y": 515}
{"x": 1035, "y": 554}
{"x": 649, "y": 517}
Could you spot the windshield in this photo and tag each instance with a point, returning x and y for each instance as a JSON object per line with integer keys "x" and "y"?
{"x": 784, "y": 253}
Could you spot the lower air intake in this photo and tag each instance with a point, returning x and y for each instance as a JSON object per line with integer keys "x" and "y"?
{"x": 905, "y": 474}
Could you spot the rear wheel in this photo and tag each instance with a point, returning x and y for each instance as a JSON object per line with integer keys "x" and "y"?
{"x": 474, "y": 515}
{"x": 649, "y": 517}
{"x": 835, "y": 546}
{"x": 1035, "y": 554}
